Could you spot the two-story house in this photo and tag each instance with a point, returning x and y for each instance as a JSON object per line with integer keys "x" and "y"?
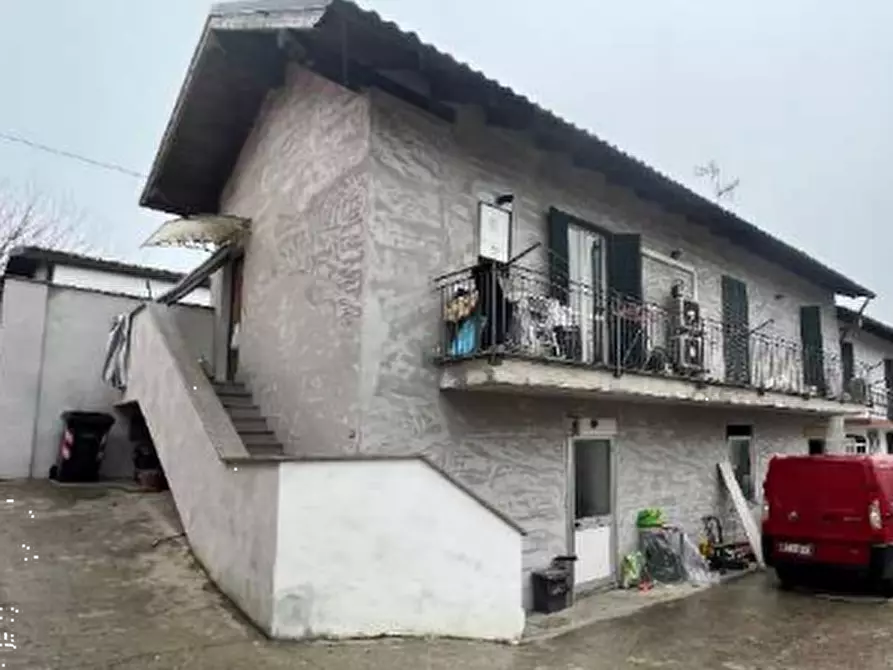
{"x": 377, "y": 317}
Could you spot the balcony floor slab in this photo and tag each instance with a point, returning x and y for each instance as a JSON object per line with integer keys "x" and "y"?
{"x": 512, "y": 375}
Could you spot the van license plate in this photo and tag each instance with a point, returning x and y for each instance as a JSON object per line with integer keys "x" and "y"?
{"x": 794, "y": 548}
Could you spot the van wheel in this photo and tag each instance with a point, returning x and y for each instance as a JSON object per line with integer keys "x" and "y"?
{"x": 786, "y": 578}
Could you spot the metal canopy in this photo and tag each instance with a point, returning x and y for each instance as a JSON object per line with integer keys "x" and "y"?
{"x": 204, "y": 232}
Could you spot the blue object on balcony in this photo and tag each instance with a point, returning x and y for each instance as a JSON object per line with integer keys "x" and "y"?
{"x": 466, "y": 340}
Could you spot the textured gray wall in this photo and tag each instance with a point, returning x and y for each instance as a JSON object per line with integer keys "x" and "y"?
{"x": 357, "y": 202}
{"x": 428, "y": 177}
{"x": 21, "y": 347}
{"x": 303, "y": 178}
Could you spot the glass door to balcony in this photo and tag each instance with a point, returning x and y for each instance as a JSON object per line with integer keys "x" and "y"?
{"x": 587, "y": 274}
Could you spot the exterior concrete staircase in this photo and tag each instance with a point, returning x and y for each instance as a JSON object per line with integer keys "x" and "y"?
{"x": 247, "y": 419}
{"x": 261, "y": 522}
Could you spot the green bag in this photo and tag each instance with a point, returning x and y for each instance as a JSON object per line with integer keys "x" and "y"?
{"x": 652, "y": 517}
{"x": 632, "y": 570}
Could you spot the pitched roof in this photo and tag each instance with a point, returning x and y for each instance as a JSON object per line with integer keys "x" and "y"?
{"x": 243, "y": 52}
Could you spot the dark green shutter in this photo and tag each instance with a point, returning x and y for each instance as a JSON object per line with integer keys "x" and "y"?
{"x": 813, "y": 349}
{"x": 735, "y": 331}
{"x": 558, "y": 255}
{"x": 888, "y": 381}
{"x": 847, "y": 363}
{"x": 627, "y": 345}
{"x": 625, "y": 266}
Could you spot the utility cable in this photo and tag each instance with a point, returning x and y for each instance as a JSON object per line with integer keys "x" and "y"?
{"x": 69, "y": 154}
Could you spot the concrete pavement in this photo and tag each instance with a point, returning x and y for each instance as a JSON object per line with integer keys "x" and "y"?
{"x": 108, "y": 584}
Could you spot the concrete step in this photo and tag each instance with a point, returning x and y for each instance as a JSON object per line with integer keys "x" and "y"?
{"x": 266, "y": 450}
{"x": 240, "y": 401}
{"x": 251, "y": 426}
{"x": 244, "y": 412}
{"x": 260, "y": 440}
{"x": 231, "y": 389}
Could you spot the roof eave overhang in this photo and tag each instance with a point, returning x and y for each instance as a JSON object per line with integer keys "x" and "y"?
{"x": 220, "y": 22}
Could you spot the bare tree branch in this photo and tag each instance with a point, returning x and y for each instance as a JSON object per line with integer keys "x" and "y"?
{"x": 30, "y": 218}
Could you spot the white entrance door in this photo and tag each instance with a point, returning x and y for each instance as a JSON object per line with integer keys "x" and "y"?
{"x": 593, "y": 511}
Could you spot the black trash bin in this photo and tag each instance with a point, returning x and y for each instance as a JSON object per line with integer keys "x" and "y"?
{"x": 82, "y": 446}
{"x": 553, "y": 588}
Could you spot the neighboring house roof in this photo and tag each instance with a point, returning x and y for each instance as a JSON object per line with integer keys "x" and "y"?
{"x": 245, "y": 48}
{"x": 865, "y": 323}
{"x": 24, "y": 262}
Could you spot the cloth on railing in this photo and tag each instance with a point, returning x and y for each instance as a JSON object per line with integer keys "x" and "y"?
{"x": 539, "y": 322}
{"x": 117, "y": 352}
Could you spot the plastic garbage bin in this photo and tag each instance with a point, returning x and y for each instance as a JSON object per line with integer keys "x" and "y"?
{"x": 82, "y": 446}
{"x": 553, "y": 588}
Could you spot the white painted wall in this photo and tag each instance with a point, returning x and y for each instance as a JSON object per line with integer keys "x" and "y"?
{"x": 114, "y": 282}
{"x": 381, "y": 547}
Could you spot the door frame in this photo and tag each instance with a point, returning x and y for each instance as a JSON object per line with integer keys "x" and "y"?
{"x": 592, "y": 298}
{"x": 595, "y": 429}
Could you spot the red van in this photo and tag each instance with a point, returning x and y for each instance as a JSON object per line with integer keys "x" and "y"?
{"x": 832, "y": 512}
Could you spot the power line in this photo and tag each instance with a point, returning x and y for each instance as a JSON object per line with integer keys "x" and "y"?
{"x": 69, "y": 154}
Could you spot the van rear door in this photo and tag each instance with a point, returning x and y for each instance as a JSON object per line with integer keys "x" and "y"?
{"x": 819, "y": 498}
{"x": 882, "y": 470}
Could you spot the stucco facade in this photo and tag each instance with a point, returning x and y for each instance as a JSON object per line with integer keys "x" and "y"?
{"x": 304, "y": 181}
{"x": 357, "y": 201}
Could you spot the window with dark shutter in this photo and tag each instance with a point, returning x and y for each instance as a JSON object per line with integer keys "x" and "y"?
{"x": 626, "y": 339}
{"x": 847, "y": 363}
{"x": 558, "y": 255}
{"x": 888, "y": 381}
{"x": 813, "y": 354}
{"x": 735, "y": 331}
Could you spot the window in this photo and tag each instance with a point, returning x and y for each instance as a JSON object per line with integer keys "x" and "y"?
{"x": 740, "y": 443}
{"x": 592, "y": 478}
{"x": 856, "y": 444}
{"x": 816, "y": 447}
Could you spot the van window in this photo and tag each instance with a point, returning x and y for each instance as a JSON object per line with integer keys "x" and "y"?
{"x": 740, "y": 443}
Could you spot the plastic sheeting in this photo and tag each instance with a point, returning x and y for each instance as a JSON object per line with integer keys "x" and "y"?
{"x": 670, "y": 557}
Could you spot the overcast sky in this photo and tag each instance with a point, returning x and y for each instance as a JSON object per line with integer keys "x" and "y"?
{"x": 795, "y": 98}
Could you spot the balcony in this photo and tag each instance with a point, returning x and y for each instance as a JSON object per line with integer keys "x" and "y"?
{"x": 512, "y": 330}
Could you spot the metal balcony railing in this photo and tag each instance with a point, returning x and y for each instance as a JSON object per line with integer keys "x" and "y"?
{"x": 518, "y": 312}
{"x": 874, "y": 395}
